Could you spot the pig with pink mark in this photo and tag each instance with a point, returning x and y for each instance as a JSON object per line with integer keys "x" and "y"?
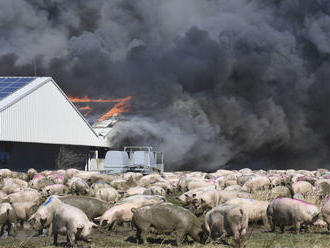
{"x": 56, "y": 178}
{"x": 284, "y": 212}
{"x": 39, "y": 181}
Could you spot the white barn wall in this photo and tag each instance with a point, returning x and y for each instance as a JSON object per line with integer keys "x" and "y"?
{"x": 46, "y": 116}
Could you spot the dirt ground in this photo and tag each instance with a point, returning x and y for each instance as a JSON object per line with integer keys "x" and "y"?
{"x": 125, "y": 237}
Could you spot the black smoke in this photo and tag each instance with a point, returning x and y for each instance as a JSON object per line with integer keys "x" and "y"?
{"x": 215, "y": 83}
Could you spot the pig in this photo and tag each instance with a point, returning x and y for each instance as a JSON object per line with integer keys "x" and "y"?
{"x": 149, "y": 179}
{"x": 12, "y": 187}
{"x": 212, "y": 198}
{"x": 69, "y": 173}
{"x": 138, "y": 190}
{"x": 143, "y": 199}
{"x": 286, "y": 211}
{"x": 234, "y": 188}
{"x": 22, "y": 196}
{"x": 5, "y": 173}
{"x": 2, "y": 195}
{"x": 31, "y": 173}
{"x": 255, "y": 210}
{"x": 56, "y": 178}
{"x": 7, "y": 218}
{"x": 54, "y": 189}
{"x": 39, "y": 181}
{"x": 187, "y": 196}
{"x": 117, "y": 214}
{"x": 120, "y": 184}
{"x": 155, "y": 190}
{"x": 99, "y": 185}
{"x": 167, "y": 217}
{"x": 43, "y": 217}
{"x": 256, "y": 183}
{"x": 78, "y": 186}
{"x": 323, "y": 186}
{"x": 24, "y": 210}
{"x": 194, "y": 184}
{"x": 19, "y": 182}
{"x": 121, "y": 212}
{"x": 302, "y": 187}
{"x": 107, "y": 194}
{"x": 280, "y": 191}
{"x": 226, "y": 220}
{"x": 244, "y": 178}
{"x": 72, "y": 222}
{"x": 91, "y": 206}
{"x": 167, "y": 186}
{"x": 133, "y": 175}
{"x": 325, "y": 210}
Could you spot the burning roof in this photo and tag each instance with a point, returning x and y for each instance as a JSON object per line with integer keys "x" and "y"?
{"x": 98, "y": 110}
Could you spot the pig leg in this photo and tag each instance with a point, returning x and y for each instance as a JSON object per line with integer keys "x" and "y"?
{"x": 237, "y": 238}
{"x": 265, "y": 221}
{"x": 143, "y": 231}
{"x": 11, "y": 226}
{"x": 272, "y": 224}
{"x": 71, "y": 238}
{"x": 180, "y": 237}
{"x": 2, "y": 230}
{"x": 55, "y": 238}
{"x": 297, "y": 227}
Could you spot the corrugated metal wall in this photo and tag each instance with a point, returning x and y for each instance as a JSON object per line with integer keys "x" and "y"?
{"x": 45, "y": 116}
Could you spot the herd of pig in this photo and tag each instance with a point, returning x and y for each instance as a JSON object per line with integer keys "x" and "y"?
{"x": 209, "y": 206}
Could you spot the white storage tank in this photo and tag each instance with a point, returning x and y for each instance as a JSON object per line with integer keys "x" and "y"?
{"x": 115, "y": 161}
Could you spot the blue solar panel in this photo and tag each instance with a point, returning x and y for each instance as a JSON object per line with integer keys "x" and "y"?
{"x": 12, "y": 84}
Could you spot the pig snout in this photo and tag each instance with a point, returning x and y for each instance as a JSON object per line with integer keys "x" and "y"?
{"x": 320, "y": 223}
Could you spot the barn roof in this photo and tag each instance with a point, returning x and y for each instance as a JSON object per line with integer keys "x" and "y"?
{"x": 41, "y": 104}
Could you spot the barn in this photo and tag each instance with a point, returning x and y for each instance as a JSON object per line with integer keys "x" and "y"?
{"x": 41, "y": 128}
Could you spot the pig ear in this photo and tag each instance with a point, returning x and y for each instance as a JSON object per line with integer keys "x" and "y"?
{"x": 133, "y": 210}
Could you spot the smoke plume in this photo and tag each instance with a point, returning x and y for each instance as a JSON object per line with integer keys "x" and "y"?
{"x": 215, "y": 83}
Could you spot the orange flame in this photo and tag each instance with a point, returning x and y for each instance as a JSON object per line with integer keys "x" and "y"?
{"x": 87, "y": 99}
{"x": 88, "y": 108}
{"x": 123, "y": 106}
{"x": 85, "y": 108}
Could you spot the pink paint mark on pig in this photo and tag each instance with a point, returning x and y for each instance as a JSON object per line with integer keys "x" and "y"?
{"x": 38, "y": 176}
{"x": 298, "y": 200}
{"x": 112, "y": 209}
